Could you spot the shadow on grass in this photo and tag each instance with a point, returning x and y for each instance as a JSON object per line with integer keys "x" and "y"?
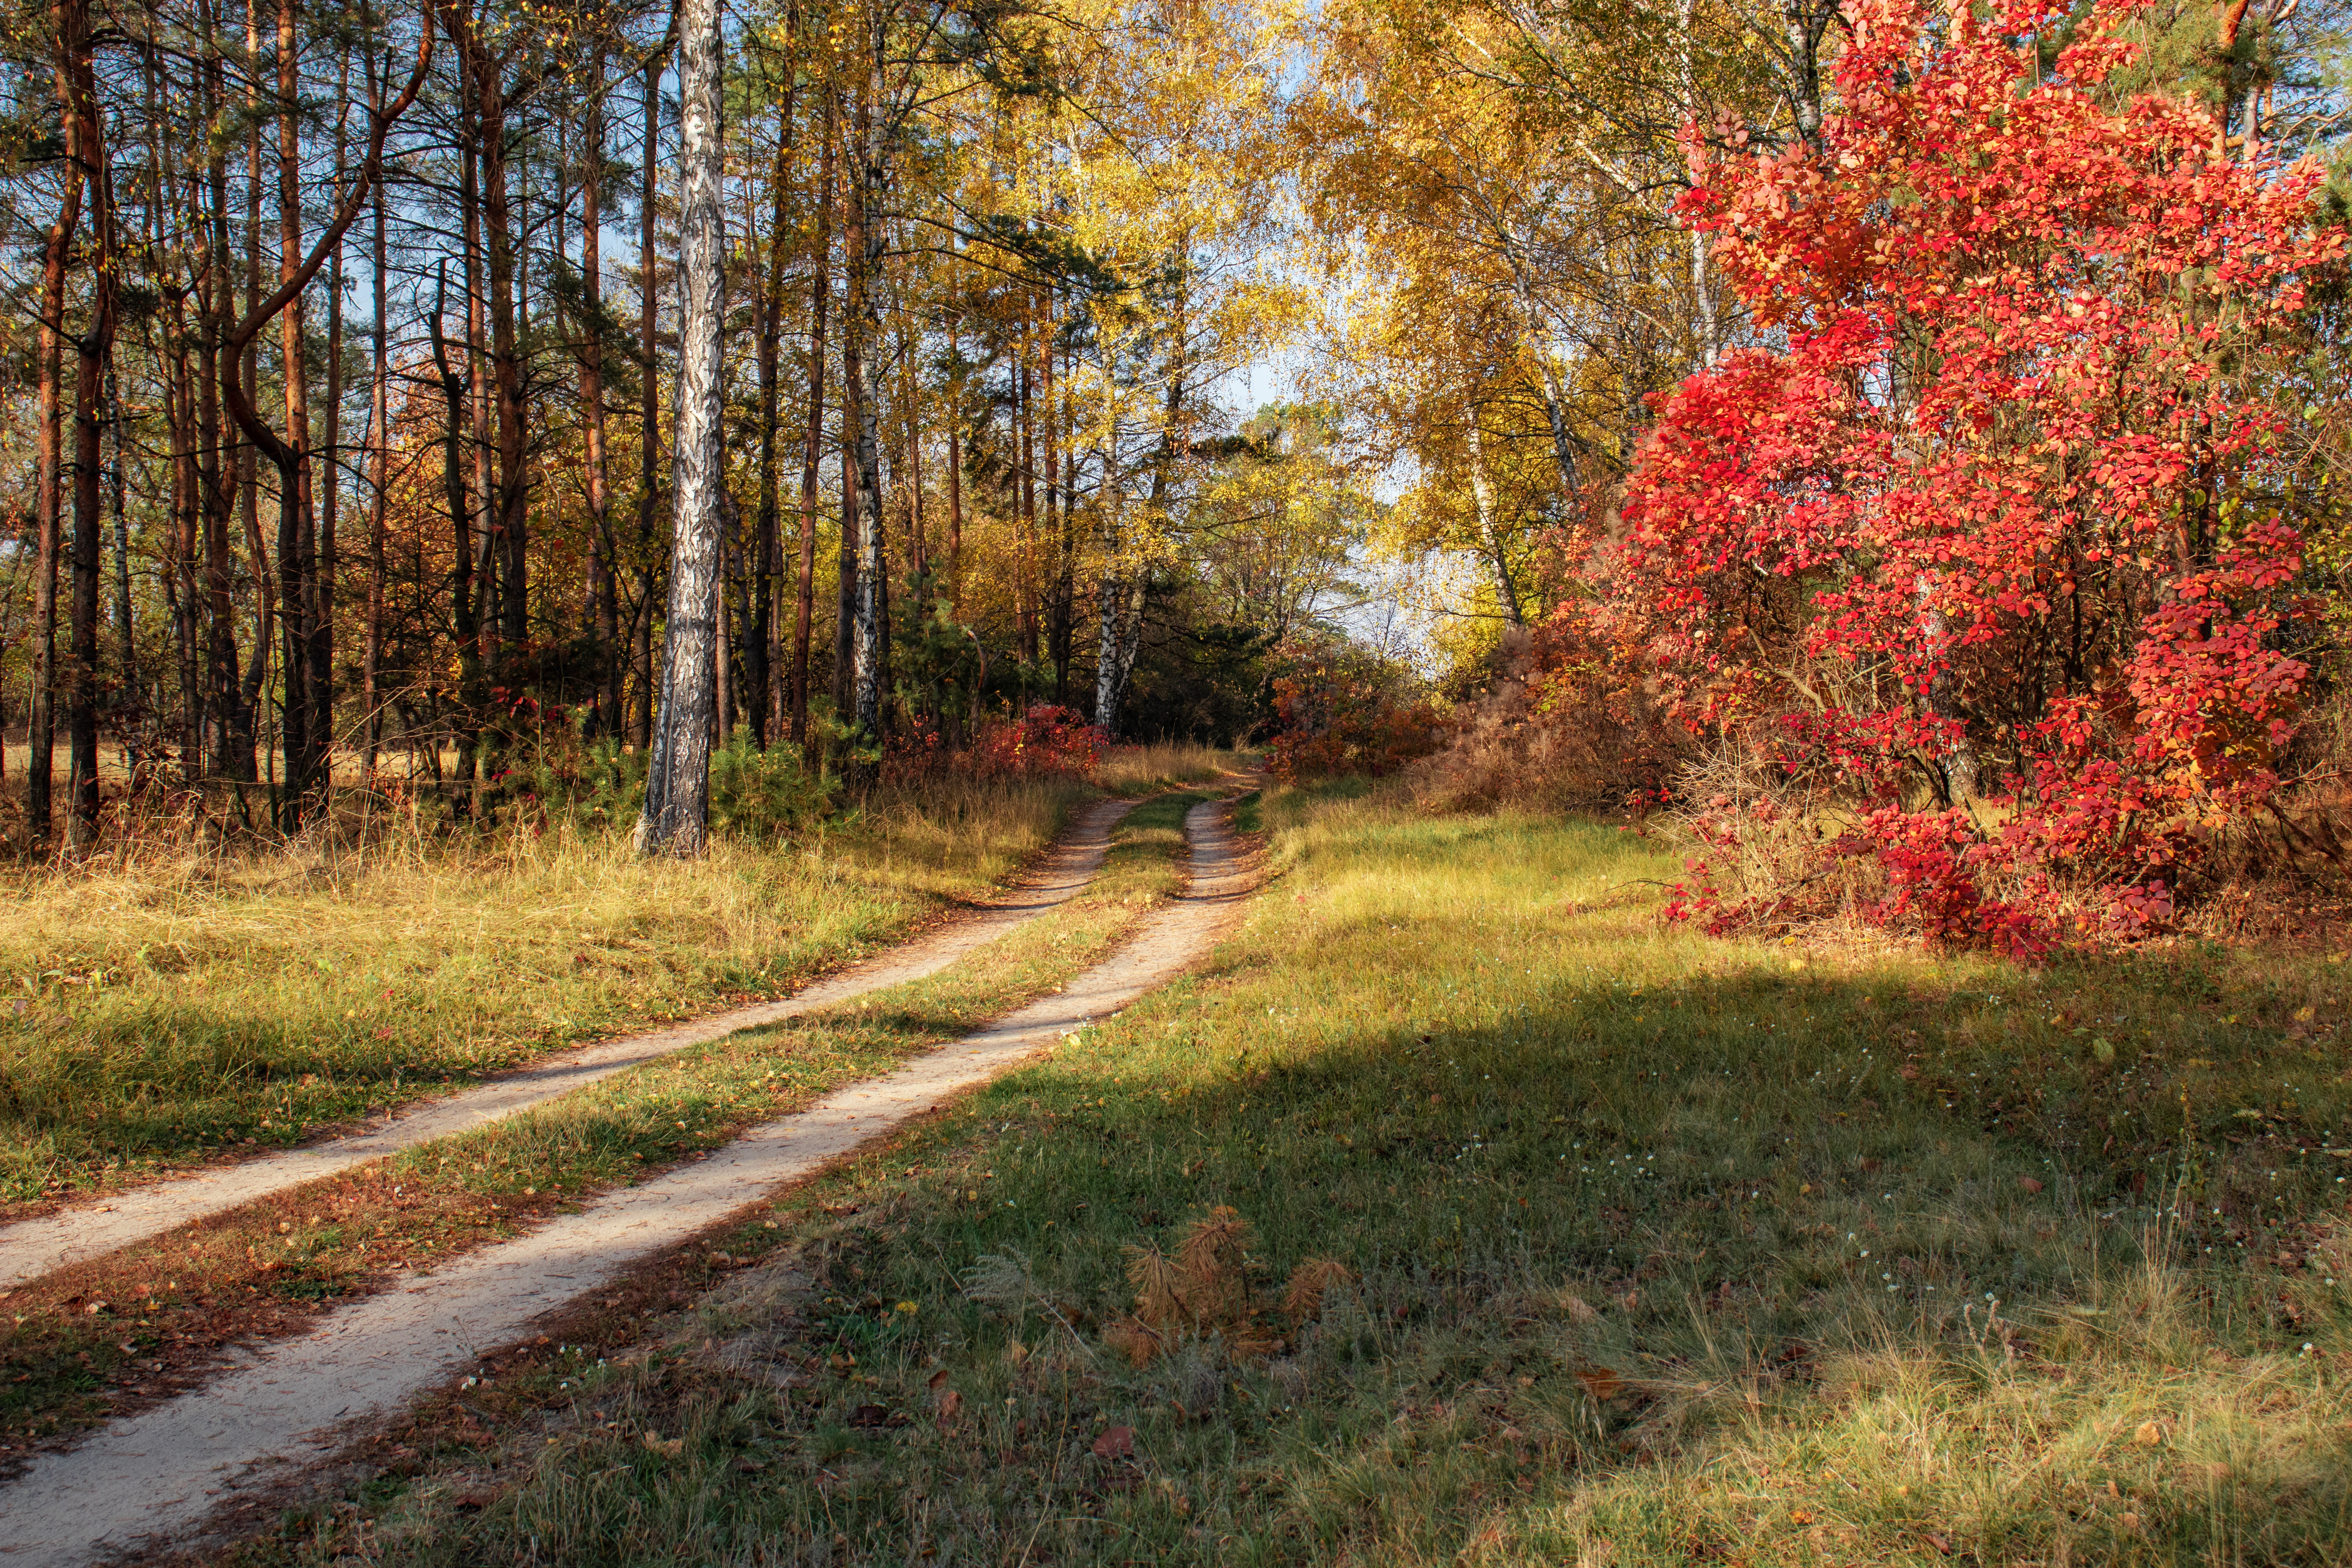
{"x": 1663, "y": 1251}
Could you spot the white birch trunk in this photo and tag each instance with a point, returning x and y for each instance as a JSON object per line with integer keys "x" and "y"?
{"x": 678, "y": 783}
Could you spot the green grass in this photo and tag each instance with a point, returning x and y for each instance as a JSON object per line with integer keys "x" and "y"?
{"x": 234, "y": 1277}
{"x": 1664, "y": 1250}
{"x": 165, "y": 1013}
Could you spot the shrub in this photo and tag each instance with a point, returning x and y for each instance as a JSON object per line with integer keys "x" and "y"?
{"x": 1994, "y": 526}
{"x": 1340, "y": 708}
{"x": 1046, "y": 740}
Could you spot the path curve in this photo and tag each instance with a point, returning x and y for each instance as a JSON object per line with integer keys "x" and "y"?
{"x": 294, "y": 1401}
{"x": 32, "y": 1247}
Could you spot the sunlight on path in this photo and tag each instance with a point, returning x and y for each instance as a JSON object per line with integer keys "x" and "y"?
{"x": 161, "y": 1471}
{"x": 32, "y": 1247}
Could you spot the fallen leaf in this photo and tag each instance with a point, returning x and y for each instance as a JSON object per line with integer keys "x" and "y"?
{"x": 667, "y": 1448}
{"x": 939, "y": 1378}
{"x": 1801, "y": 1516}
{"x": 950, "y": 1406}
{"x": 1118, "y": 1443}
{"x": 2029, "y": 1183}
{"x": 1942, "y": 1544}
{"x": 2149, "y": 1435}
{"x": 2131, "y": 1521}
{"x": 1601, "y": 1383}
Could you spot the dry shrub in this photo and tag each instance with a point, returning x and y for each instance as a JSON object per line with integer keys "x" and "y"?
{"x": 2286, "y": 871}
{"x": 1202, "y": 1290}
{"x": 1558, "y": 726}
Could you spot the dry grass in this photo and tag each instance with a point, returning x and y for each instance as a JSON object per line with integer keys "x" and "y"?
{"x": 170, "y": 1003}
{"x": 1164, "y": 764}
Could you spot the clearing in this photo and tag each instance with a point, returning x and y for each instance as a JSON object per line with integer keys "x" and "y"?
{"x": 1655, "y": 1249}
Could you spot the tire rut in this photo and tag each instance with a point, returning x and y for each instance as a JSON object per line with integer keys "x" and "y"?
{"x": 32, "y": 1247}
{"x": 158, "y": 1474}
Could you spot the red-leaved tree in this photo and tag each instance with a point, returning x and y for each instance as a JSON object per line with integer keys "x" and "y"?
{"x": 1991, "y": 529}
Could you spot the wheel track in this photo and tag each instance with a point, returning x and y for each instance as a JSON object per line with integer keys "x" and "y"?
{"x": 32, "y": 1247}
{"x": 157, "y": 1474}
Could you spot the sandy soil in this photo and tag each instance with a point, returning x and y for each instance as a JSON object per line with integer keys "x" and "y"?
{"x": 157, "y": 1475}
{"x": 30, "y": 1248}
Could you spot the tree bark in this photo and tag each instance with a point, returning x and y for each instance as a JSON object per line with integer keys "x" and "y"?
{"x": 649, "y": 420}
{"x": 678, "y": 785}
{"x": 1482, "y": 494}
{"x": 93, "y": 349}
{"x": 41, "y": 763}
{"x": 379, "y": 455}
{"x": 297, "y": 527}
{"x": 510, "y": 525}
{"x": 865, "y": 245}
{"x": 322, "y": 577}
{"x": 228, "y": 716}
{"x": 767, "y": 703}
{"x": 463, "y": 619}
{"x": 812, "y": 447}
{"x": 603, "y": 585}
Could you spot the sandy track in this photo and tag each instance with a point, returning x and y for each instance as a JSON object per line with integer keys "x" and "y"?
{"x": 157, "y": 1474}
{"x": 30, "y": 1248}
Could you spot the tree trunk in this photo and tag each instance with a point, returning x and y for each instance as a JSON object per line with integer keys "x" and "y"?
{"x": 1026, "y": 577}
{"x": 49, "y": 488}
{"x": 649, "y": 421}
{"x": 93, "y": 350}
{"x": 461, "y": 526}
{"x": 322, "y": 577}
{"x": 228, "y": 718}
{"x": 678, "y": 785}
{"x": 603, "y": 584}
{"x": 813, "y": 448}
{"x": 126, "y": 651}
{"x": 865, "y": 246}
{"x": 297, "y": 528}
{"x": 766, "y": 699}
{"x": 1482, "y": 494}
{"x": 380, "y": 457}
{"x": 510, "y": 526}
{"x": 1062, "y": 622}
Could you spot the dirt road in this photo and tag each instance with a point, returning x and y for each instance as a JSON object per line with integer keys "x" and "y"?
{"x": 156, "y": 1475}
{"x": 33, "y": 1247}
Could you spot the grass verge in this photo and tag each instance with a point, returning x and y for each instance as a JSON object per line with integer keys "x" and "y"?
{"x": 166, "y": 1015}
{"x": 137, "y": 1325}
{"x": 1657, "y": 1250}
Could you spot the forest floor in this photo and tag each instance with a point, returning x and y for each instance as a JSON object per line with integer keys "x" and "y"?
{"x": 1454, "y": 1211}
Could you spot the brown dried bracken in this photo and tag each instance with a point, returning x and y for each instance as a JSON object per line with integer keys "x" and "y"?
{"x": 1203, "y": 1288}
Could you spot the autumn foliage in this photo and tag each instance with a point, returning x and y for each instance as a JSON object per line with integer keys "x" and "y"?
{"x": 1340, "y": 710}
{"x": 1986, "y": 548}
